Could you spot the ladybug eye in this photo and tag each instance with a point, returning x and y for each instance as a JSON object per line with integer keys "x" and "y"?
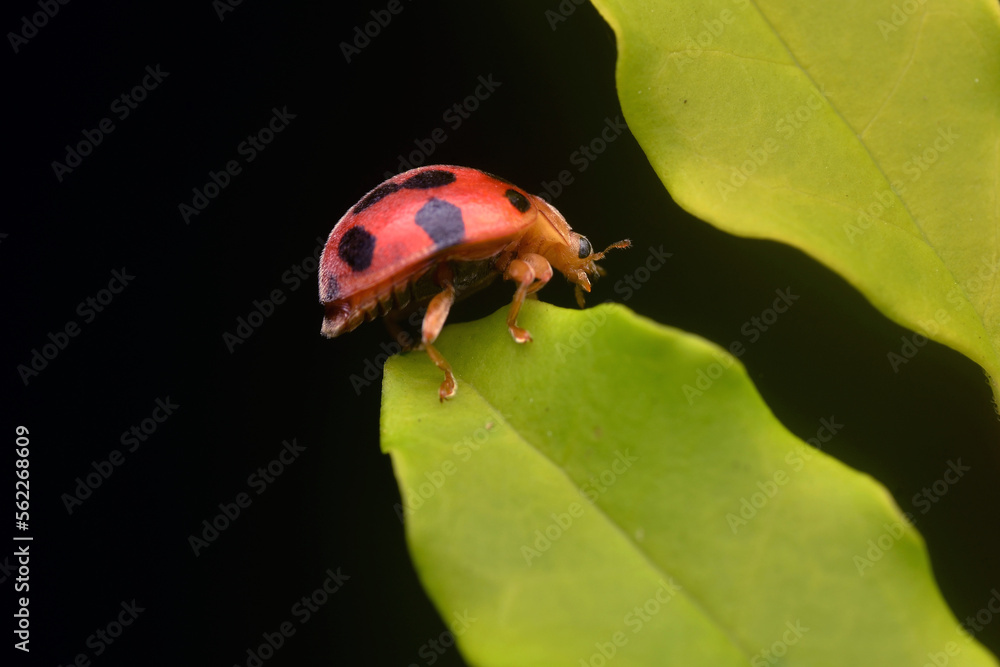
{"x": 586, "y": 250}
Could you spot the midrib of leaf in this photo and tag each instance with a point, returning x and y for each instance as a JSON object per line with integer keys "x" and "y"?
{"x": 816, "y": 86}
{"x": 647, "y": 558}
{"x": 980, "y": 311}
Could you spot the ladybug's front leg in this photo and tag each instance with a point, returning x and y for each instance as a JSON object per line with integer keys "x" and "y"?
{"x": 437, "y": 313}
{"x": 530, "y": 272}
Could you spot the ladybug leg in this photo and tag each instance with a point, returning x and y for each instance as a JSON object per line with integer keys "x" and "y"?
{"x": 530, "y": 272}
{"x": 437, "y": 313}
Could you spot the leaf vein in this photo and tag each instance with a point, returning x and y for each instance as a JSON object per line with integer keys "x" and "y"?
{"x": 685, "y": 591}
{"x": 878, "y": 166}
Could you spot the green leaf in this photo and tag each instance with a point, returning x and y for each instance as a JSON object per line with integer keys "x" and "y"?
{"x": 866, "y": 133}
{"x": 619, "y": 486}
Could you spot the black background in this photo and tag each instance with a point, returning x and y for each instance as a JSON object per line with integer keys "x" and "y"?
{"x": 162, "y": 336}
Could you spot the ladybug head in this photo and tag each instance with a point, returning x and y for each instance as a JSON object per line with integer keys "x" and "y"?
{"x": 587, "y": 263}
{"x": 570, "y": 253}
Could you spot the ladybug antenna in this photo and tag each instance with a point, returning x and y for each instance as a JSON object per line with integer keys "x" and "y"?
{"x": 625, "y": 243}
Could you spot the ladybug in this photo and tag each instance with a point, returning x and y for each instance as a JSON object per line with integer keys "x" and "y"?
{"x": 438, "y": 233}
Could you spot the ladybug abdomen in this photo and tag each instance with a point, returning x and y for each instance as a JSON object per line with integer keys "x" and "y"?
{"x": 347, "y": 313}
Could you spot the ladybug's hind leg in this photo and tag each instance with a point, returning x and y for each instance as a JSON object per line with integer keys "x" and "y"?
{"x": 531, "y": 272}
{"x": 437, "y": 313}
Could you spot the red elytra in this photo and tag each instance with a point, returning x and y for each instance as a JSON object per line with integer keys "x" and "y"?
{"x": 438, "y": 233}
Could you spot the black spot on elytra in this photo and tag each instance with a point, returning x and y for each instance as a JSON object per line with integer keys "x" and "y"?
{"x": 329, "y": 290}
{"x": 442, "y": 222}
{"x": 517, "y": 200}
{"x": 375, "y": 196}
{"x": 432, "y": 178}
{"x": 356, "y": 247}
